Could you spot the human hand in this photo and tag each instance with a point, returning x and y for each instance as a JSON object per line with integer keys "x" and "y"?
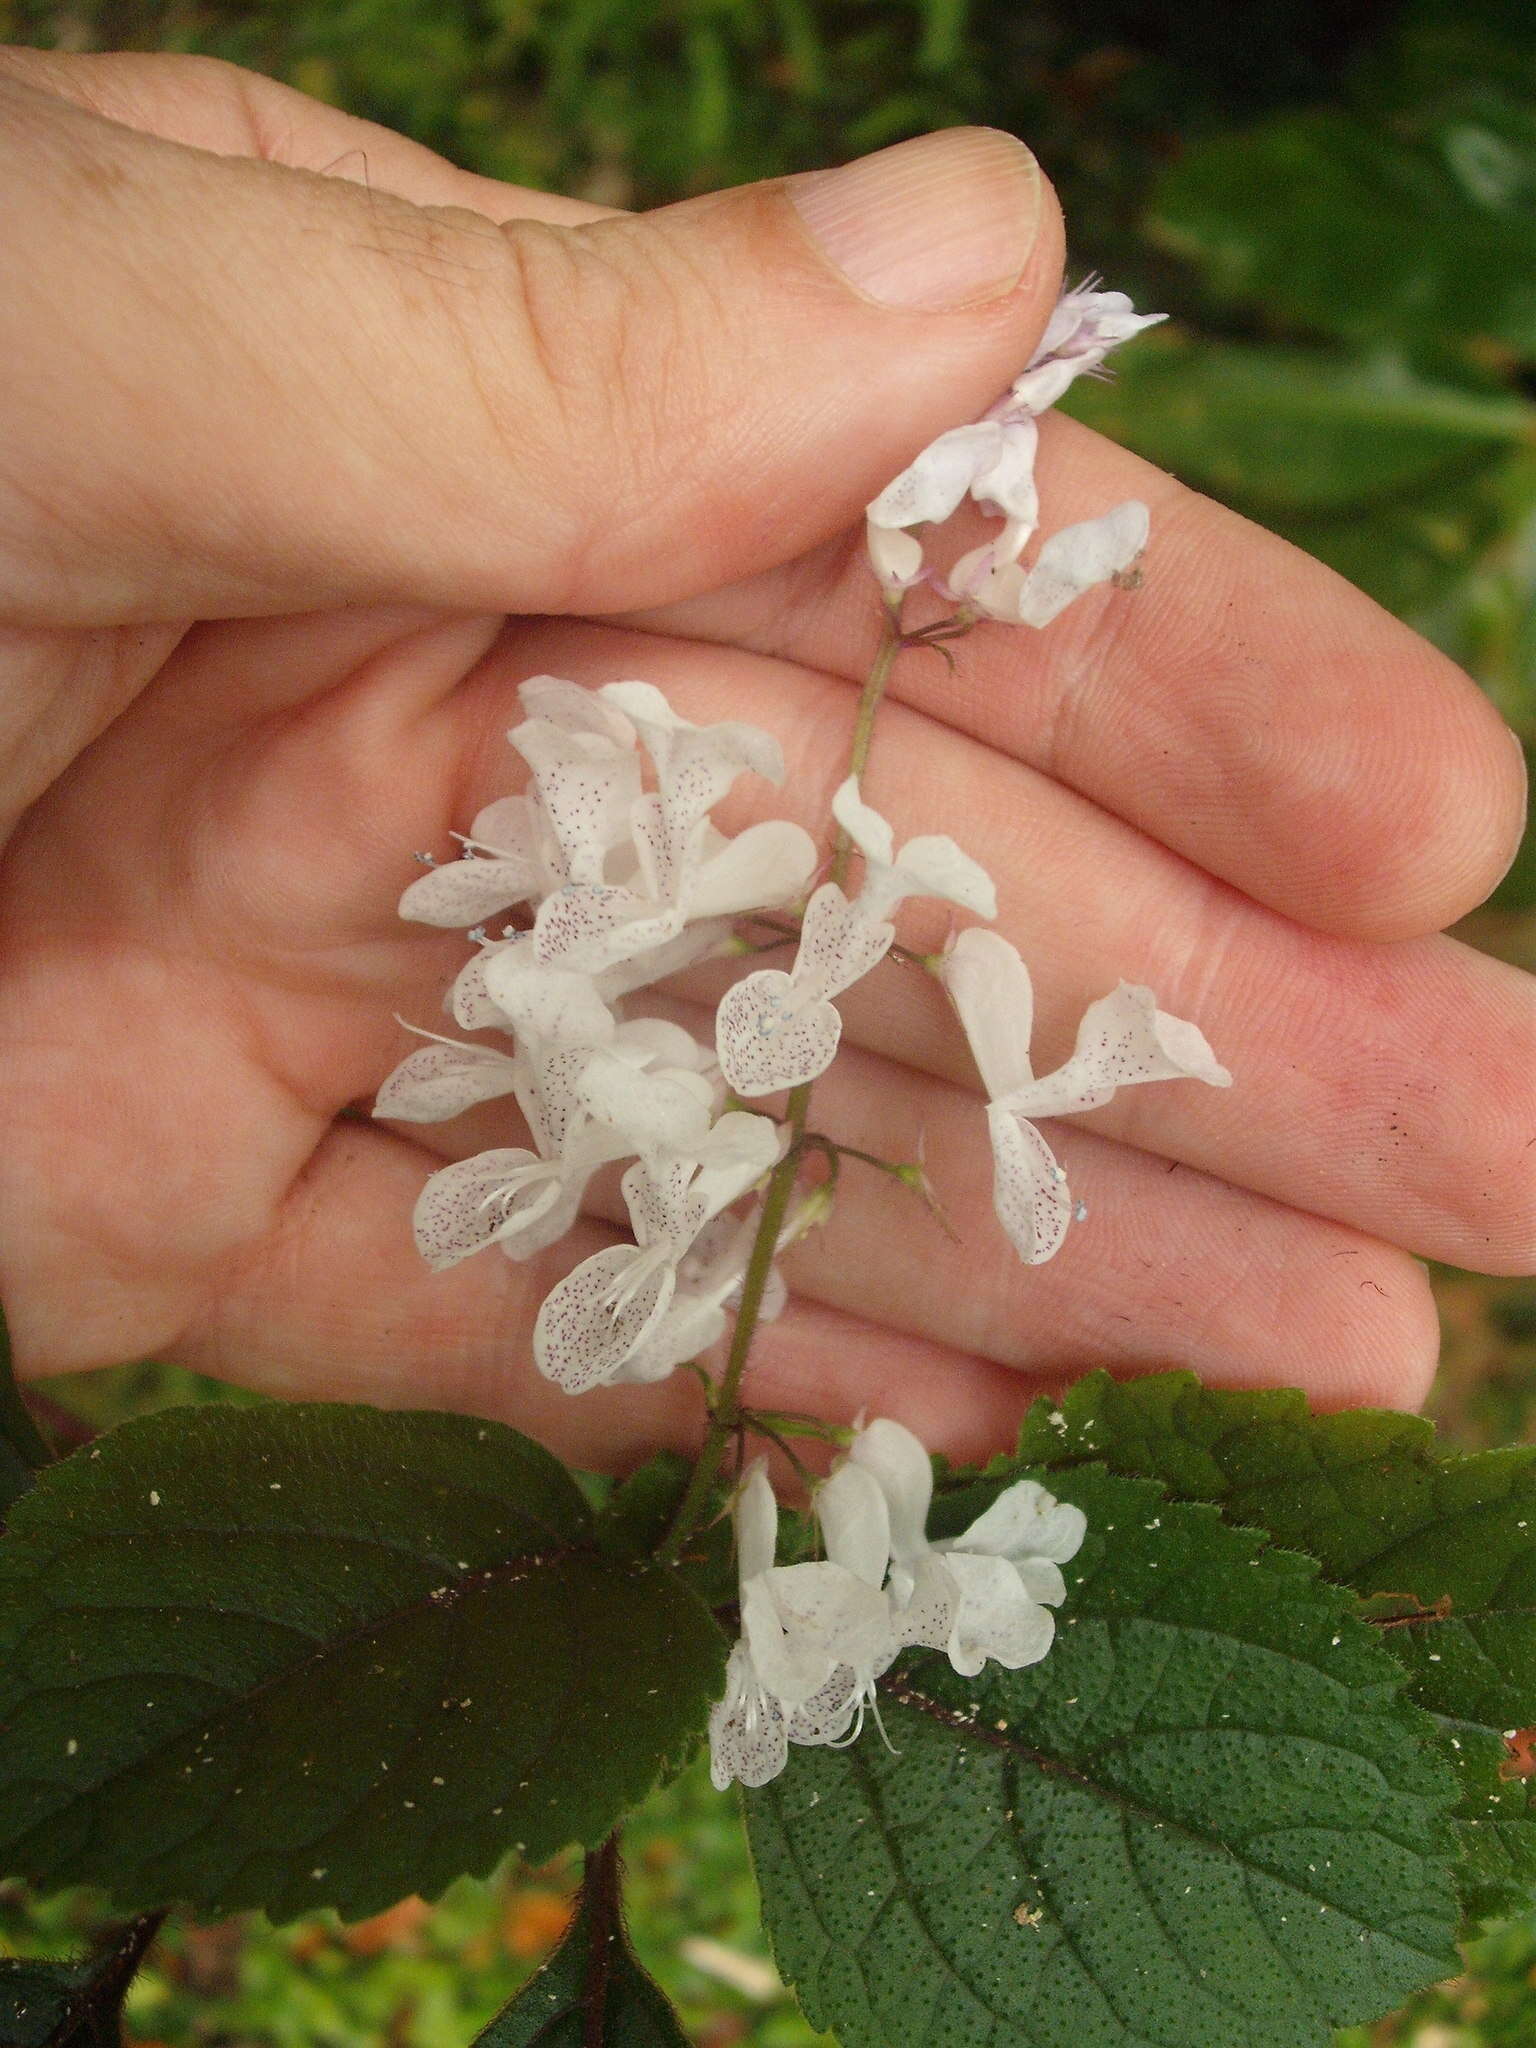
{"x": 348, "y": 426}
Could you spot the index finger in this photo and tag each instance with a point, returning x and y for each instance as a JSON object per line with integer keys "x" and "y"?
{"x": 1246, "y": 706}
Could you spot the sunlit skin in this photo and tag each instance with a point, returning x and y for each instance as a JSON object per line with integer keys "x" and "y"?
{"x": 350, "y": 426}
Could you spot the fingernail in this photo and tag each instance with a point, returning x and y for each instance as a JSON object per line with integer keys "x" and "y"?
{"x": 946, "y": 220}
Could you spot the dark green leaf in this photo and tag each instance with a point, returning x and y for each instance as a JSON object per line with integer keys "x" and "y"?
{"x": 22, "y": 1448}
{"x": 1368, "y": 1495}
{"x": 74, "y": 2005}
{"x": 1296, "y": 432}
{"x": 1392, "y": 479}
{"x": 289, "y": 1657}
{"x": 1205, "y": 1818}
{"x": 640, "y": 1509}
{"x": 639, "y": 1514}
{"x": 592, "y": 1992}
{"x": 1377, "y": 237}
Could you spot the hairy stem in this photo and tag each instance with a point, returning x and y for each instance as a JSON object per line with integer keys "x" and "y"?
{"x": 726, "y": 1415}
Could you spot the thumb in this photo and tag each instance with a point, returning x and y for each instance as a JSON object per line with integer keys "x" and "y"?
{"x": 235, "y": 387}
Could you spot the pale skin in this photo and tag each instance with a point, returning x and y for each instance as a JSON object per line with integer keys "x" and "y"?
{"x": 351, "y": 422}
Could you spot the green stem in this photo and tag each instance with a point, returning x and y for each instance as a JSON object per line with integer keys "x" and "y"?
{"x": 864, "y": 730}
{"x": 726, "y": 1416}
{"x": 781, "y": 1186}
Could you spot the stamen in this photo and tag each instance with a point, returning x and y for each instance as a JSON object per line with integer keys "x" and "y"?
{"x": 874, "y": 1708}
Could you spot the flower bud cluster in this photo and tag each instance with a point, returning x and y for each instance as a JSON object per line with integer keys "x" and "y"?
{"x": 993, "y": 462}
{"x": 816, "y": 1637}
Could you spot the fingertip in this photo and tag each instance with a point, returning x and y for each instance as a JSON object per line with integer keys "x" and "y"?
{"x": 1386, "y": 1356}
{"x": 1440, "y": 825}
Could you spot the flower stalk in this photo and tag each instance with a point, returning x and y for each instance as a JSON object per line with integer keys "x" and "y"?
{"x": 725, "y": 1417}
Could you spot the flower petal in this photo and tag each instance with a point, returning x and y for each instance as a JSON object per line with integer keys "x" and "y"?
{"x": 932, "y": 485}
{"x": 790, "y": 1656}
{"x": 1007, "y": 484}
{"x": 1041, "y": 1579}
{"x": 1026, "y": 1521}
{"x": 762, "y": 868}
{"x": 574, "y": 709}
{"x": 755, "y": 1515}
{"x": 855, "y": 1523}
{"x": 1124, "y": 1039}
{"x": 466, "y": 1206}
{"x": 695, "y": 764}
{"x": 668, "y": 956}
{"x": 461, "y": 892}
{"x": 654, "y": 1111}
{"x": 658, "y": 1192}
{"x": 587, "y": 784}
{"x": 989, "y": 986}
{"x": 895, "y": 555}
{"x": 768, "y": 1036}
{"x": 828, "y": 1617}
{"x": 739, "y": 1150}
{"x": 506, "y": 830}
{"x": 903, "y": 1471}
{"x": 748, "y": 1741}
{"x": 923, "y": 1613}
{"x": 1071, "y": 562}
{"x": 469, "y": 1001}
{"x": 1029, "y": 1189}
{"x": 839, "y": 944}
{"x": 583, "y": 1334}
{"x": 439, "y": 1081}
{"x": 932, "y": 865}
{"x": 692, "y": 1325}
{"x": 864, "y": 825}
{"x": 825, "y": 1716}
{"x": 656, "y": 1042}
{"x": 534, "y": 1227}
{"x": 590, "y": 927}
{"x": 995, "y": 1617}
{"x": 547, "y": 1005}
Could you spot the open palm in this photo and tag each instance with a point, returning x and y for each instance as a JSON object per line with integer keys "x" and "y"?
{"x": 1241, "y": 784}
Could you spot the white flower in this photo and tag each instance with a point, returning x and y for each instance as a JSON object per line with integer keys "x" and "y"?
{"x": 586, "y": 776}
{"x": 806, "y": 1631}
{"x": 444, "y": 1078}
{"x": 603, "y": 1315}
{"x": 1072, "y": 561}
{"x": 682, "y": 870}
{"x": 1084, "y": 326}
{"x": 993, "y": 462}
{"x": 470, "y": 1003}
{"x": 985, "y": 1593}
{"x": 508, "y": 859}
{"x": 522, "y": 1199}
{"x": 775, "y": 1030}
{"x": 709, "y": 1281}
{"x": 1123, "y": 1039}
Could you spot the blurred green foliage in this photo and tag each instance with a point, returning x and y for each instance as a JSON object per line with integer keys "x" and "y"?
{"x": 431, "y": 1977}
{"x": 1338, "y": 204}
